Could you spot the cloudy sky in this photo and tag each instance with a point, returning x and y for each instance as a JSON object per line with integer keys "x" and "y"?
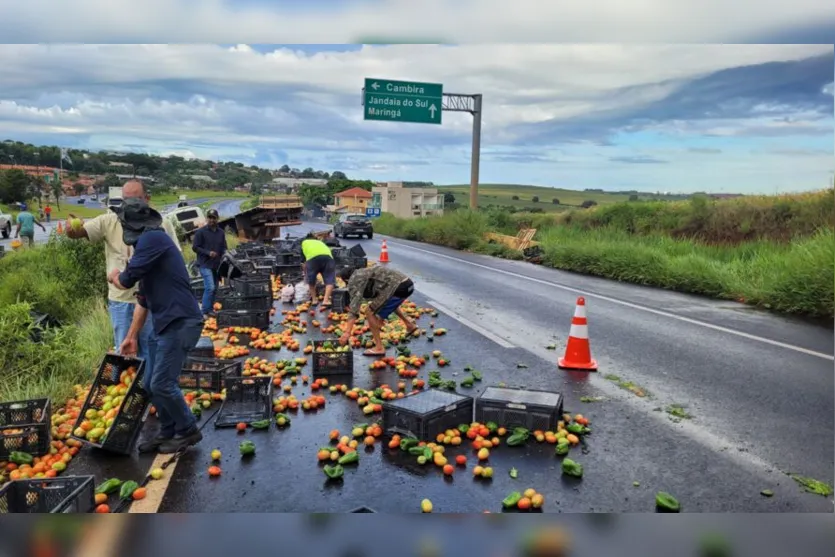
{"x": 720, "y": 118}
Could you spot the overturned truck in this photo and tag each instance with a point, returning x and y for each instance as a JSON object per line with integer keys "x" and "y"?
{"x": 264, "y": 222}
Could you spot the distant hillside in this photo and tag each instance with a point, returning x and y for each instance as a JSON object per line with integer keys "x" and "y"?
{"x": 524, "y": 198}
{"x": 172, "y": 170}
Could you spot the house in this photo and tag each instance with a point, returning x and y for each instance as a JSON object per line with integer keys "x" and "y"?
{"x": 407, "y": 202}
{"x": 352, "y": 201}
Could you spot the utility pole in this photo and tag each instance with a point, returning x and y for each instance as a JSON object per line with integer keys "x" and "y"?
{"x": 454, "y": 102}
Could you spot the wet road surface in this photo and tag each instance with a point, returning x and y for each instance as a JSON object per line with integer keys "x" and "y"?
{"x": 759, "y": 390}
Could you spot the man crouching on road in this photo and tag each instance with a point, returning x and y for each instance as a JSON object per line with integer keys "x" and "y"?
{"x": 385, "y": 290}
{"x": 164, "y": 291}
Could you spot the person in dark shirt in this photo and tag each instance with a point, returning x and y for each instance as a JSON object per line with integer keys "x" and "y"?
{"x": 164, "y": 290}
{"x": 209, "y": 244}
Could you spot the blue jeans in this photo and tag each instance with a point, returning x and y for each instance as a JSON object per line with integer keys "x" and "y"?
{"x": 121, "y": 315}
{"x": 209, "y": 287}
{"x": 162, "y": 381}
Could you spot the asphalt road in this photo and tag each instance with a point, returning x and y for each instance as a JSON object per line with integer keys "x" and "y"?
{"x": 226, "y": 207}
{"x": 759, "y": 389}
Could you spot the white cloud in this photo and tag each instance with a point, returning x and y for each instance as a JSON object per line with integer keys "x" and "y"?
{"x": 432, "y": 20}
{"x": 237, "y": 102}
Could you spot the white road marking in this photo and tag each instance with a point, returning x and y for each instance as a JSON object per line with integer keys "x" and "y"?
{"x": 467, "y": 323}
{"x": 633, "y": 306}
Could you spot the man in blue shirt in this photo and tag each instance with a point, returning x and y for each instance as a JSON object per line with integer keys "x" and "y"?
{"x": 164, "y": 291}
{"x": 209, "y": 245}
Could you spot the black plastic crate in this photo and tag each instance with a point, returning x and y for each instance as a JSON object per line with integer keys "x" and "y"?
{"x": 251, "y": 251}
{"x": 197, "y": 288}
{"x": 132, "y": 411}
{"x": 340, "y": 300}
{"x": 204, "y": 348}
{"x": 248, "y": 399}
{"x": 363, "y": 510}
{"x": 291, "y": 268}
{"x": 358, "y": 262}
{"x": 340, "y": 254}
{"x": 258, "y": 318}
{"x": 235, "y": 301}
{"x": 253, "y": 286}
{"x": 331, "y": 363}
{"x": 512, "y": 407}
{"x": 40, "y": 323}
{"x": 208, "y": 374}
{"x": 427, "y": 413}
{"x": 67, "y": 495}
{"x": 288, "y": 258}
{"x": 25, "y": 426}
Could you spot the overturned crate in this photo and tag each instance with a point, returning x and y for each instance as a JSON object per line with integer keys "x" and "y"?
{"x": 256, "y": 318}
{"x": 512, "y": 407}
{"x": 248, "y": 399}
{"x": 426, "y": 414}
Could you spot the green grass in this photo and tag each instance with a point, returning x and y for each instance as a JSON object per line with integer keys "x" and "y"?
{"x": 789, "y": 276}
{"x": 502, "y": 195}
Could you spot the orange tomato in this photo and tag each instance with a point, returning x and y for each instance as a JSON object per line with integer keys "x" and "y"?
{"x": 524, "y": 504}
{"x": 241, "y": 426}
{"x": 461, "y": 460}
{"x": 101, "y": 498}
{"x": 139, "y": 494}
{"x": 103, "y": 509}
{"x": 214, "y": 471}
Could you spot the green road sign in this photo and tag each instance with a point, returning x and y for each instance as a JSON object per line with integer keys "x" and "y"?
{"x": 403, "y": 101}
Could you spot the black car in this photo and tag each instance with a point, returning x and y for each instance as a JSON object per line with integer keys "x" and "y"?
{"x": 353, "y": 225}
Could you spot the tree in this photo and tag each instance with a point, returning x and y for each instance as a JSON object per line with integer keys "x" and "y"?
{"x": 111, "y": 181}
{"x": 78, "y": 188}
{"x": 515, "y": 198}
{"x": 57, "y": 191}
{"x": 633, "y": 197}
{"x": 535, "y": 199}
{"x": 555, "y": 201}
{"x": 13, "y": 186}
{"x": 284, "y": 168}
{"x": 588, "y": 204}
{"x": 449, "y": 198}
{"x": 338, "y": 175}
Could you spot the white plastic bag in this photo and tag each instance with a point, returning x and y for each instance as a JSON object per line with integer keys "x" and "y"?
{"x": 287, "y": 294}
{"x": 302, "y": 293}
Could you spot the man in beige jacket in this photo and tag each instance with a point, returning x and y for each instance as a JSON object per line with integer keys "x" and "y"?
{"x": 121, "y": 303}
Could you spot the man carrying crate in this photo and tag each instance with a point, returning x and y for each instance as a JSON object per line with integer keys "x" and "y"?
{"x": 164, "y": 291}
{"x": 385, "y": 290}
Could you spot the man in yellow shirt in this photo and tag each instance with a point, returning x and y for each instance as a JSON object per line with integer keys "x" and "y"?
{"x": 121, "y": 303}
{"x": 318, "y": 259}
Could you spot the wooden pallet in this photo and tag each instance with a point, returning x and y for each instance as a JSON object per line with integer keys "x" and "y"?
{"x": 522, "y": 241}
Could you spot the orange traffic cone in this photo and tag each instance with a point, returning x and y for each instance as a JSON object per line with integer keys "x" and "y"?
{"x": 578, "y": 352}
{"x": 60, "y": 229}
{"x": 384, "y": 253}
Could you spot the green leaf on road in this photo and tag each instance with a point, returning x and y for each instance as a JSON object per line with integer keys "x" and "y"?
{"x": 812, "y": 485}
{"x": 767, "y": 493}
{"x": 592, "y": 399}
{"x": 521, "y": 366}
{"x": 514, "y": 473}
{"x": 551, "y": 347}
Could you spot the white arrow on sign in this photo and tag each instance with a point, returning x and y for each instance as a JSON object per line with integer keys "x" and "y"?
{"x": 432, "y": 109}
{"x": 375, "y": 85}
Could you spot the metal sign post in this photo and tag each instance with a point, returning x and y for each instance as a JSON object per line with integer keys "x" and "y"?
{"x": 416, "y": 102}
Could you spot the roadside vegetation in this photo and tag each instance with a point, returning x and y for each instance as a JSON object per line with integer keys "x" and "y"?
{"x": 63, "y": 279}
{"x": 774, "y": 252}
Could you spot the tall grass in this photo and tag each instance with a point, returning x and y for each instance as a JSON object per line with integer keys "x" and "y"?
{"x": 787, "y": 264}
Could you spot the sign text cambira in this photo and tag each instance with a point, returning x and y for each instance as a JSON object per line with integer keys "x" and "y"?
{"x": 403, "y": 101}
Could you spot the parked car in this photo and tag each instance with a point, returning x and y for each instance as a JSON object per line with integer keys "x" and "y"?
{"x": 6, "y": 221}
{"x": 353, "y": 225}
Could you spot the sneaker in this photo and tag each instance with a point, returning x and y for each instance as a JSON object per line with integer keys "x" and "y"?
{"x": 180, "y": 442}
{"x": 154, "y": 444}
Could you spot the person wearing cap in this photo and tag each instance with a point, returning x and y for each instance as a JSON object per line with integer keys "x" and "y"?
{"x": 106, "y": 229}
{"x": 164, "y": 291}
{"x": 209, "y": 244}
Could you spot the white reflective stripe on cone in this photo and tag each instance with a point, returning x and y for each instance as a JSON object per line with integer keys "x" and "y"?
{"x": 579, "y": 331}
{"x": 580, "y": 311}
